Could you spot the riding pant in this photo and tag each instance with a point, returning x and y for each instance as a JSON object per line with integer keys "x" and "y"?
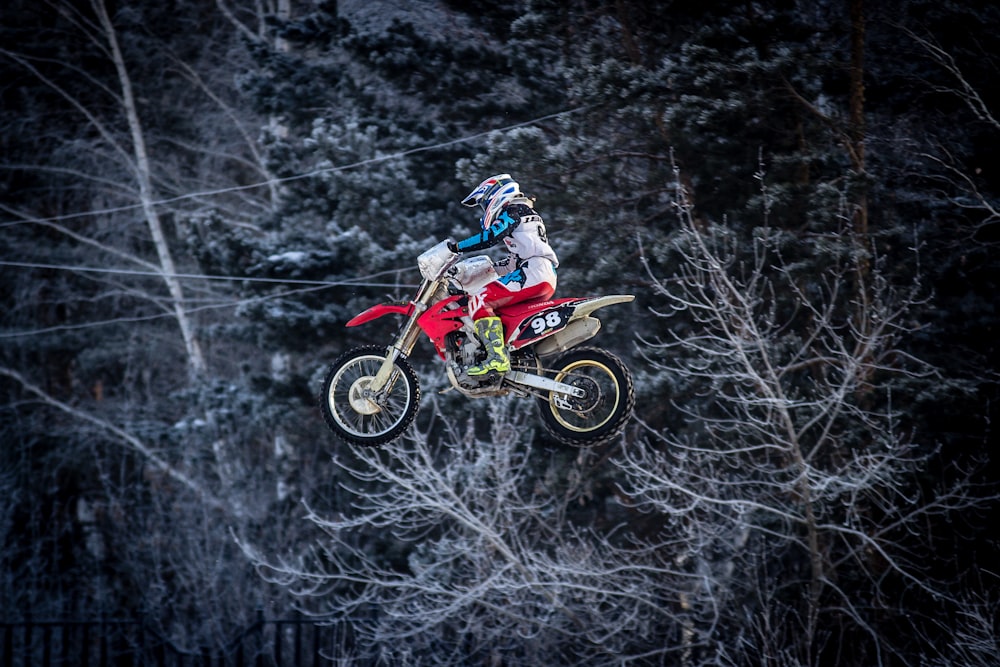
{"x": 533, "y": 279}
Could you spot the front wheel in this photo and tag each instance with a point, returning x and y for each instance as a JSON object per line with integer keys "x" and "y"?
{"x": 607, "y": 404}
{"x": 359, "y": 416}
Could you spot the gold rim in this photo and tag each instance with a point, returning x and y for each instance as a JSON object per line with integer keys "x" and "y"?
{"x": 557, "y": 413}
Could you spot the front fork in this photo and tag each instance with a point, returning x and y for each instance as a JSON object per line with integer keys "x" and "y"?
{"x": 405, "y": 341}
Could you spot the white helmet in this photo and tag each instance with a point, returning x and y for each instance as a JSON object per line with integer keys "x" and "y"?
{"x": 492, "y": 195}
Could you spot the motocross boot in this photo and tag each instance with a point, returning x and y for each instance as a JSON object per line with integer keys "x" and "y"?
{"x": 490, "y": 332}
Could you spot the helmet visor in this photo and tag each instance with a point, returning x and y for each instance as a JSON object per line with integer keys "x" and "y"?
{"x": 479, "y": 195}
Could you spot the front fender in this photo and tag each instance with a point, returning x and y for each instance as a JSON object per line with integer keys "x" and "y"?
{"x": 398, "y": 308}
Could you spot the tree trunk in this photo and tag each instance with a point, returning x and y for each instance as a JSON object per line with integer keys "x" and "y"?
{"x": 196, "y": 360}
{"x": 856, "y": 131}
{"x": 857, "y": 92}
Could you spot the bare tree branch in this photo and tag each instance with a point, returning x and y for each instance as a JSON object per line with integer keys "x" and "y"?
{"x": 131, "y": 441}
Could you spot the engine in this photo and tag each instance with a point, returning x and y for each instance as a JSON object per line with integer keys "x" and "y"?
{"x": 466, "y": 348}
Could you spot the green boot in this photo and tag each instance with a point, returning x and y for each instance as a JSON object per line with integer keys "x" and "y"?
{"x": 490, "y": 331}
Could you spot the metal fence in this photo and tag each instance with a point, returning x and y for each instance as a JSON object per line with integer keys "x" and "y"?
{"x": 295, "y": 642}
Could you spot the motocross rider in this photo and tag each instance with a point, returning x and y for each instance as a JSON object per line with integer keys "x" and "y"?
{"x": 528, "y": 272}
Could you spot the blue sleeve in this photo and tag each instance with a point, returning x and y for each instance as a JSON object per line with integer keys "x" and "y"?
{"x": 489, "y": 237}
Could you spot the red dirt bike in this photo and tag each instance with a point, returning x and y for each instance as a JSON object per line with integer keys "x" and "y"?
{"x": 585, "y": 394}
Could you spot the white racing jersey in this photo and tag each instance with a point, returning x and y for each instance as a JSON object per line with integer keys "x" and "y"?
{"x": 523, "y": 233}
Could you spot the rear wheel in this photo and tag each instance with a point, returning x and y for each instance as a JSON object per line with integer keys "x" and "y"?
{"x": 356, "y": 414}
{"x": 605, "y": 407}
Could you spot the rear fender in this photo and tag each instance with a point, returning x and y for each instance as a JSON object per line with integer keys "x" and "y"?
{"x": 590, "y": 305}
{"x": 395, "y": 308}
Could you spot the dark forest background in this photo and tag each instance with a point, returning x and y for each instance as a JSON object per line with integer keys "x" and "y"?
{"x": 803, "y": 196}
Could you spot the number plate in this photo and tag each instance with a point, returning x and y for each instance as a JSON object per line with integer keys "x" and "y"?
{"x": 544, "y": 323}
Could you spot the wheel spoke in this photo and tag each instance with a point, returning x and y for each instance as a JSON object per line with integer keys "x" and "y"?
{"x": 363, "y": 417}
{"x": 601, "y": 400}
{"x": 603, "y": 409}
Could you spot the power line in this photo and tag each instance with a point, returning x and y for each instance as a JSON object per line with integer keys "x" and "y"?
{"x": 60, "y": 328}
{"x": 351, "y": 282}
{"x": 313, "y": 285}
{"x": 296, "y": 177}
